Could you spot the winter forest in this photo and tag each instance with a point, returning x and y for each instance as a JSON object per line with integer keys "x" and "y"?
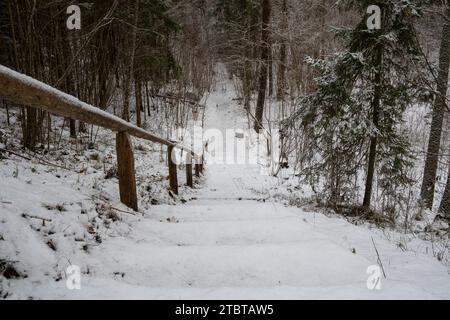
{"x": 224, "y": 149}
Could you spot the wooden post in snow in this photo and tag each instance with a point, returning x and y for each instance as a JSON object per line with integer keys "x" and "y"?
{"x": 125, "y": 168}
{"x": 21, "y": 89}
{"x": 201, "y": 164}
{"x": 197, "y": 167}
{"x": 189, "y": 170}
{"x": 173, "y": 180}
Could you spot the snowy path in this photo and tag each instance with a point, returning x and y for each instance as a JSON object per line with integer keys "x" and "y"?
{"x": 221, "y": 247}
{"x": 218, "y": 246}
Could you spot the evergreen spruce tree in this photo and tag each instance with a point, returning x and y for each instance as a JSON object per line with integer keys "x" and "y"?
{"x": 353, "y": 122}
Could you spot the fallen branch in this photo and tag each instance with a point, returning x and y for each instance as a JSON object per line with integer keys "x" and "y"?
{"x": 123, "y": 211}
{"x": 36, "y": 217}
{"x": 41, "y": 161}
{"x": 15, "y": 153}
{"x": 380, "y": 263}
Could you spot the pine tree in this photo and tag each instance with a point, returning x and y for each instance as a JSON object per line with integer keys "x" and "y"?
{"x": 353, "y": 120}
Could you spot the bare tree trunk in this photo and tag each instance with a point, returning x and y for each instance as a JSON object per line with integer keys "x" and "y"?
{"x": 282, "y": 68}
{"x": 7, "y": 113}
{"x": 431, "y": 163}
{"x": 444, "y": 207}
{"x": 31, "y": 130}
{"x": 264, "y": 65}
{"x": 375, "y": 117}
{"x": 247, "y": 79}
{"x": 247, "y": 82}
{"x": 129, "y": 78}
{"x": 138, "y": 95}
{"x": 270, "y": 72}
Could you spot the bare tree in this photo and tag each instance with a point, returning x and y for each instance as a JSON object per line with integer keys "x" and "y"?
{"x": 282, "y": 69}
{"x": 265, "y": 47}
{"x": 129, "y": 78}
{"x": 434, "y": 142}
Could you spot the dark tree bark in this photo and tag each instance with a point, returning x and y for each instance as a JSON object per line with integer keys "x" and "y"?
{"x": 444, "y": 207}
{"x": 282, "y": 69}
{"x": 247, "y": 65}
{"x": 263, "y": 72}
{"x": 129, "y": 78}
{"x": 270, "y": 72}
{"x": 431, "y": 163}
{"x": 30, "y": 128}
{"x": 138, "y": 95}
{"x": 247, "y": 80}
{"x": 5, "y": 38}
{"x": 375, "y": 117}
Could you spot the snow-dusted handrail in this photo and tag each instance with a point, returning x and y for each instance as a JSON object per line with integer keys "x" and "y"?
{"x": 22, "y": 89}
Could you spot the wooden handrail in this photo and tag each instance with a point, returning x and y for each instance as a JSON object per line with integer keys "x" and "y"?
{"x": 24, "y": 90}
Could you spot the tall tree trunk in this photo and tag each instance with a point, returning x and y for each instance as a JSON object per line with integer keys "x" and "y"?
{"x": 375, "y": 118}
{"x": 129, "y": 78}
{"x": 444, "y": 207}
{"x": 264, "y": 65}
{"x": 270, "y": 72}
{"x": 31, "y": 128}
{"x": 282, "y": 69}
{"x": 138, "y": 95}
{"x": 247, "y": 72}
{"x": 431, "y": 163}
{"x": 247, "y": 79}
{"x": 68, "y": 83}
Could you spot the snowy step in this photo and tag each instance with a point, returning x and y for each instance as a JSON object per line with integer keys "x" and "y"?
{"x": 227, "y": 198}
{"x": 227, "y": 232}
{"x": 298, "y": 264}
{"x": 211, "y": 210}
{"x": 93, "y": 288}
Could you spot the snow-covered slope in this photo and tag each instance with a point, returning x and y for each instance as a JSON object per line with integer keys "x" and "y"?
{"x": 229, "y": 241}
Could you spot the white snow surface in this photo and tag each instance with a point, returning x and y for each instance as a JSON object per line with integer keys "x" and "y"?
{"x": 231, "y": 241}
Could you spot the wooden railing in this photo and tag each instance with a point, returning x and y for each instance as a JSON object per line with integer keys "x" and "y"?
{"x": 24, "y": 90}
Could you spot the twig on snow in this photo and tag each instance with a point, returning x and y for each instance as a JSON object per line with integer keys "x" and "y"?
{"x": 41, "y": 161}
{"x": 36, "y": 217}
{"x": 14, "y": 153}
{"x": 123, "y": 211}
{"x": 380, "y": 263}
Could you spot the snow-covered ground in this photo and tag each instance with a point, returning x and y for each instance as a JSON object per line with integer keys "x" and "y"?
{"x": 228, "y": 240}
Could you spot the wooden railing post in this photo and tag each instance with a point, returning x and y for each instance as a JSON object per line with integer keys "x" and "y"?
{"x": 125, "y": 168}
{"x": 201, "y": 164}
{"x": 189, "y": 169}
{"x": 173, "y": 180}
{"x": 24, "y": 90}
{"x": 197, "y": 166}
